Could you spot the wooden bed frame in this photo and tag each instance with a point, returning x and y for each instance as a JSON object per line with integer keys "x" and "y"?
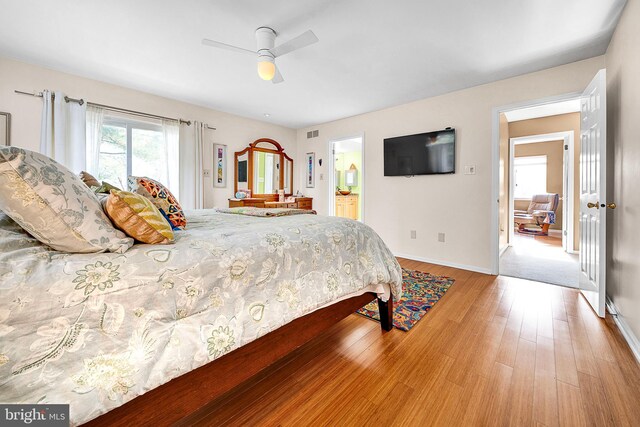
{"x": 184, "y": 396}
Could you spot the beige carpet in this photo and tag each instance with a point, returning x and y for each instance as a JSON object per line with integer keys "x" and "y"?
{"x": 536, "y": 259}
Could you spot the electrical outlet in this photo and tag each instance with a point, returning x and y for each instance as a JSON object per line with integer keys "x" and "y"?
{"x": 470, "y": 169}
{"x": 441, "y": 237}
{"x": 206, "y": 173}
{"x": 413, "y": 234}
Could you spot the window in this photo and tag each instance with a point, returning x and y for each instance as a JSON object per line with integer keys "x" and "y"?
{"x": 140, "y": 147}
{"x": 530, "y": 176}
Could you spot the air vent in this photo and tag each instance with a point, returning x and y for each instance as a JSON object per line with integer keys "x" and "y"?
{"x": 312, "y": 134}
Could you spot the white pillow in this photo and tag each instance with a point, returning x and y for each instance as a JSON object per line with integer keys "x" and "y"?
{"x": 54, "y": 205}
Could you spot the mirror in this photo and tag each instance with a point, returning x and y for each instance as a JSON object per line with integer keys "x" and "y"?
{"x": 263, "y": 168}
{"x": 351, "y": 177}
{"x": 266, "y": 172}
{"x": 242, "y": 169}
{"x": 5, "y": 129}
{"x": 288, "y": 176}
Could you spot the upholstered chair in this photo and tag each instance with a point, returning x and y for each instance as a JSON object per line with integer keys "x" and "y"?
{"x": 541, "y": 212}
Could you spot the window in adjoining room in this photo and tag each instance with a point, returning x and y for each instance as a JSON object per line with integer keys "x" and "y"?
{"x": 530, "y": 176}
{"x": 138, "y": 146}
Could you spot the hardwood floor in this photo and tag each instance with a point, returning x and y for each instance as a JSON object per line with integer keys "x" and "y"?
{"x": 493, "y": 351}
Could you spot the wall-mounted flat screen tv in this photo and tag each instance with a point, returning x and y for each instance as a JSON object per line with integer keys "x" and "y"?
{"x": 421, "y": 154}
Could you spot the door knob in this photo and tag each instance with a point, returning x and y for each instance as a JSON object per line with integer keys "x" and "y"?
{"x": 593, "y": 205}
{"x": 611, "y": 205}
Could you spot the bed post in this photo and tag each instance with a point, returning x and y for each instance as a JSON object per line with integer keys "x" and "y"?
{"x": 386, "y": 313}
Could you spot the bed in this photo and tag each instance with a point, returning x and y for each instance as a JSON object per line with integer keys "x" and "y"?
{"x": 152, "y": 335}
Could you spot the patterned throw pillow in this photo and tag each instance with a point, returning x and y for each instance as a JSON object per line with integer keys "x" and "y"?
{"x": 138, "y": 217}
{"x": 54, "y": 205}
{"x": 89, "y": 179}
{"x": 104, "y": 188}
{"x": 161, "y": 197}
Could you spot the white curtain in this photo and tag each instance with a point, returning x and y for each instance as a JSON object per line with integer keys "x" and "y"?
{"x": 95, "y": 119}
{"x": 171, "y": 130}
{"x": 46, "y": 123}
{"x": 63, "y": 131}
{"x": 199, "y": 130}
{"x": 191, "y": 165}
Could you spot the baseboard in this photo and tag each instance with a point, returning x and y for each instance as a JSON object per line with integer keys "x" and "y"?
{"x": 446, "y": 263}
{"x": 555, "y": 233}
{"x": 626, "y": 331}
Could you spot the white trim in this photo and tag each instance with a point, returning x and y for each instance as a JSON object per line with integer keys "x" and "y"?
{"x": 504, "y": 248}
{"x": 543, "y": 137}
{"x": 568, "y": 218}
{"x": 510, "y": 195}
{"x": 627, "y": 333}
{"x": 567, "y": 181}
{"x": 494, "y": 238}
{"x": 332, "y": 174}
{"x": 482, "y": 270}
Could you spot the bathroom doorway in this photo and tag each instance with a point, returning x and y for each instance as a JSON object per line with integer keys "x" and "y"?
{"x": 347, "y": 178}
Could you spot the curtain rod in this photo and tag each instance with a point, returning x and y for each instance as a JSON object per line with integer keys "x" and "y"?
{"x": 109, "y": 107}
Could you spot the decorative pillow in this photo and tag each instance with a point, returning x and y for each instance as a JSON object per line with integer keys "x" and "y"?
{"x": 89, "y": 179}
{"x": 247, "y": 193}
{"x": 161, "y": 197}
{"x": 105, "y": 188}
{"x": 138, "y": 217}
{"x": 53, "y": 204}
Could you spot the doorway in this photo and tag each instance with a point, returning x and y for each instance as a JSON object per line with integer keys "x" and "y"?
{"x": 591, "y": 165}
{"x": 541, "y": 164}
{"x": 346, "y": 189}
{"x": 539, "y": 229}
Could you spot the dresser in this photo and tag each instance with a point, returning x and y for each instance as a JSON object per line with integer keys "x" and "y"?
{"x": 347, "y": 206}
{"x": 300, "y": 203}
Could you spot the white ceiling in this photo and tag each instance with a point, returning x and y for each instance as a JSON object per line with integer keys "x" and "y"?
{"x": 563, "y": 107}
{"x": 372, "y": 54}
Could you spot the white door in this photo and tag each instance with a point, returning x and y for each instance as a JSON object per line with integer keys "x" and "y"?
{"x": 593, "y": 191}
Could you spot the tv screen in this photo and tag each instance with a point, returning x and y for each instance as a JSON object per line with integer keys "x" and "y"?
{"x": 421, "y": 154}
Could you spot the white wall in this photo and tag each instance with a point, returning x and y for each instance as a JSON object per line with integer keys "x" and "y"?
{"x": 234, "y": 131}
{"x": 458, "y": 205}
{"x": 623, "y": 143}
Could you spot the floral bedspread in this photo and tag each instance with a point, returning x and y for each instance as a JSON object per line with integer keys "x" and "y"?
{"x": 265, "y": 212}
{"x": 96, "y": 330}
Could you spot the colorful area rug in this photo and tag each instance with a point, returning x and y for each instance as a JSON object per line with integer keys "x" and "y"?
{"x": 420, "y": 291}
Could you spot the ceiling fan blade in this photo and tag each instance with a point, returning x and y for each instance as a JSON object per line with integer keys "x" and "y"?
{"x": 278, "y": 77}
{"x": 303, "y": 40}
{"x": 225, "y": 46}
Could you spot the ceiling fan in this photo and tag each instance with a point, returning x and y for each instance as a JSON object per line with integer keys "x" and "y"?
{"x": 267, "y": 52}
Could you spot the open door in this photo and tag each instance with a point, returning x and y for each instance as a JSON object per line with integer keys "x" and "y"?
{"x": 593, "y": 191}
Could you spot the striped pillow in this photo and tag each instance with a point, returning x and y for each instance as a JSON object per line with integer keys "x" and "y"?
{"x": 138, "y": 217}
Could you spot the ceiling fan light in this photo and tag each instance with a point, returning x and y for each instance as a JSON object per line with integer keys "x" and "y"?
{"x": 266, "y": 70}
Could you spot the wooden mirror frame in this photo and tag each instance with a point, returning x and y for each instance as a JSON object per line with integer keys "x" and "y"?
{"x": 254, "y": 147}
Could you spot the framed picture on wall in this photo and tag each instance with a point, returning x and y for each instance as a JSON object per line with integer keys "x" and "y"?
{"x": 311, "y": 169}
{"x": 220, "y": 165}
